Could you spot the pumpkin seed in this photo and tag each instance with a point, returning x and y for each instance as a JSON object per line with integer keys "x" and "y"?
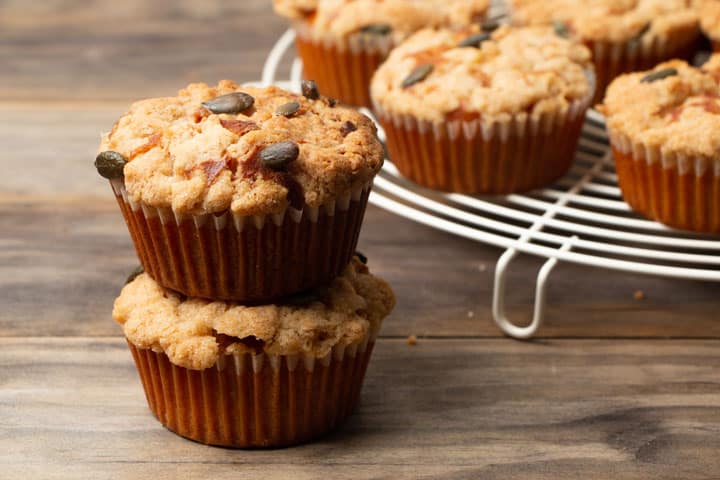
{"x": 288, "y": 109}
{"x": 561, "y": 29}
{"x": 278, "y": 155}
{"x": 235, "y": 102}
{"x": 638, "y": 37}
{"x": 377, "y": 29}
{"x": 475, "y": 40}
{"x": 347, "y": 128}
{"x": 659, "y": 75}
{"x": 110, "y": 164}
{"x": 139, "y": 270}
{"x": 490, "y": 26}
{"x": 418, "y": 75}
{"x": 310, "y": 89}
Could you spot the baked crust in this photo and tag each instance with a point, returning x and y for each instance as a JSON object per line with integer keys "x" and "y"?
{"x": 194, "y": 333}
{"x": 615, "y": 21}
{"x": 184, "y": 157}
{"x": 709, "y": 12}
{"x": 340, "y": 18}
{"x": 518, "y": 70}
{"x": 678, "y": 115}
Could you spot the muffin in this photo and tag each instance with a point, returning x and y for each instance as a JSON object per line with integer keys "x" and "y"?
{"x": 624, "y": 36}
{"x": 663, "y": 127}
{"x": 262, "y": 376}
{"x": 472, "y": 112}
{"x": 709, "y": 12}
{"x": 240, "y": 193}
{"x": 342, "y": 42}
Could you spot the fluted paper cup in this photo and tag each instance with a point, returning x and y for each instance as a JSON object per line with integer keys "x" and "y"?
{"x": 249, "y": 259}
{"x": 679, "y": 191}
{"x": 251, "y": 401}
{"x": 342, "y": 67}
{"x": 475, "y": 156}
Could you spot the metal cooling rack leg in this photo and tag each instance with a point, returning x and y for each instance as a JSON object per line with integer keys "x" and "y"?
{"x": 499, "y": 315}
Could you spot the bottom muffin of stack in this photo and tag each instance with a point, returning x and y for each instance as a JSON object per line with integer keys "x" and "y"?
{"x": 254, "y": 376}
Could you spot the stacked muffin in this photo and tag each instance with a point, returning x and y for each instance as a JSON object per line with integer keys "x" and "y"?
{"x": 342, "y": 42}
{"x": 253, "y": 320}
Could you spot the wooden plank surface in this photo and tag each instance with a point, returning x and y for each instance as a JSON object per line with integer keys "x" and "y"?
{"x": 452, "y": 408}
{"x": 599, "y": 396}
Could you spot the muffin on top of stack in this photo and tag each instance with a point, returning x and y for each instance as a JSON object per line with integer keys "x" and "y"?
{"x": 254, "y": 319}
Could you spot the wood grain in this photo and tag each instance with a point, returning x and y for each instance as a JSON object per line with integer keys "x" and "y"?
{"x": 458, "y": 405}
{"x": 89, "y": 50}
{"x": 464, "y": 409}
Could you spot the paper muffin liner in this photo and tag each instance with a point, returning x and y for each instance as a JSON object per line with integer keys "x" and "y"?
{"x": 679, "y": 191}
{"x": 250, "y": 401}
{"x": 341, "y": 67}
{"x": 516, "y": 154}
{"x": 248, "y": 259}
{"x": 613, "y": 59}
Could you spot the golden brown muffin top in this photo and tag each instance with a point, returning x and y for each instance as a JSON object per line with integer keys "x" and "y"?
{"x": 182, "y": 155}
{"x": 194, "y": 333}
{"x": 511, "y": 71}
{"x": 339, "y": 18}
{"x": 674, "y": 107}
{"x": 609, "y": 20}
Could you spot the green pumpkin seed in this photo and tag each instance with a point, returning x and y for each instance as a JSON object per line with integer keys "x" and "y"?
{"x": 288, "y": 109}
{"x": 659, "y": 75}
{"x": 475, "y": 40}
{"x": 418, "y": 75}
{"x": 110, "y": 164}
{"x": 638, "y": 37}
{"x": 235, "y": 102}
{"x": 377, "y": 29}
{"x": 347, "y": 128}
{"x": 310, "y": 89}
{"x": 278, "y": 155}
{"x": 490, "y": 25}
{"x": 361, "y": 257}
{"x": 139, "y": 270}
{"x": 561, "y": 29}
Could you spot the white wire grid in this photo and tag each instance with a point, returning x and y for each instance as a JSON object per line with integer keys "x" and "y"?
{"x": 580, "y": 219}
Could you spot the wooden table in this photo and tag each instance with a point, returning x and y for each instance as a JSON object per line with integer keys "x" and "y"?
{"x": 615, "y": 387}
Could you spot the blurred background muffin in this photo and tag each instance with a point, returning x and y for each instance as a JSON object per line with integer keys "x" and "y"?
{"x": 477, "y": 112}
{"x": 623, "y": 35}
{"x": 664, "y": 127}
{"x": 342, "y": 42}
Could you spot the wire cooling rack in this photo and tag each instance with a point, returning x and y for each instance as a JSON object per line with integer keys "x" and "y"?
{"x": 580, "y": 219}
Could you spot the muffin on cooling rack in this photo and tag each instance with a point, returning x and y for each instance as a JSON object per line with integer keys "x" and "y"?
{"x": 477, "y": 112}
{"x": 259, "y": 376}
{"x": 624, "y": 36}
{"x": 342, "y": 42}
{"x": 709, "y": 12}
{"x": 242, "y": 193}
{"x": 664, "y": 129}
